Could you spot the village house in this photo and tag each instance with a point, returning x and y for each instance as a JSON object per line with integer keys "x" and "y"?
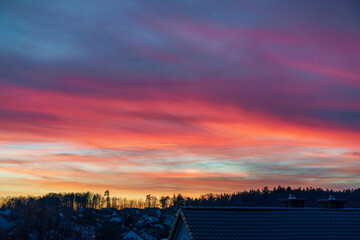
{"x": 5, "y": 223}
{"x": 151, "y": 215}
{"x": 131, "y": 235}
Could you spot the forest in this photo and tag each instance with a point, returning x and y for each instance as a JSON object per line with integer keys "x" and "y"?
{"x": 264, "y": 197}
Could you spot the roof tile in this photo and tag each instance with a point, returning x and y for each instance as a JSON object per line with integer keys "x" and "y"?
{"x": 272, "y": 223}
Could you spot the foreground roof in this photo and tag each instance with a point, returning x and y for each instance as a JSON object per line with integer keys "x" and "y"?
{"x": 269, "y": 223}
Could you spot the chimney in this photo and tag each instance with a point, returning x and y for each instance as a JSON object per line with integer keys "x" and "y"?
{"x": 293, "y": 202}
{"x": 332, "y": 203}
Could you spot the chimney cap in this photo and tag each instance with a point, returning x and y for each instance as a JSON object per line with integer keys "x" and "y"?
{"x": 291, "y": 196}
{"x": 332, "y": 202}
{"x": 292, "y": 202}
{"x": 332, "y": 197}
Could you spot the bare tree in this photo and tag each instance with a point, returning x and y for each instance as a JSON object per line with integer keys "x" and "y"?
{"x": 107, "y": 195}
{"x": 114, "y": 202}
{"x": 148, "y": 201}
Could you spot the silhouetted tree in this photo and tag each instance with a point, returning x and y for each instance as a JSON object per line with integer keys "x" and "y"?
{"x": 178, "y": 201}
{"x": 148, "y": 201}
{"x": 165, "y": 201}
{"x": 107, "y": 195}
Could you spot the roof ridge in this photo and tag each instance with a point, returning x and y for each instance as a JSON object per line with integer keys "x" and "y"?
{"x": 265, "y": 208}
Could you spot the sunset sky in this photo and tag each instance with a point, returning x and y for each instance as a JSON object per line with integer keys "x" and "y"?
{"x": 184, "y": 96}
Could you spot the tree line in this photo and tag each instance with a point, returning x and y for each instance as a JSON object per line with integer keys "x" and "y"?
{"x": 265, "y": 197}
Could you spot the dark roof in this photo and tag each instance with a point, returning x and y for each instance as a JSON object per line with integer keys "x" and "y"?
{"x": 269, "y": 223}
{"x": 129, "y": 211}
{"x": 150, "y": 211}
{"x": 170, "y": 210}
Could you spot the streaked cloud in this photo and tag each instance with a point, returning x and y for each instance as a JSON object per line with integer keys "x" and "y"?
{"x": 180, "y": 96}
